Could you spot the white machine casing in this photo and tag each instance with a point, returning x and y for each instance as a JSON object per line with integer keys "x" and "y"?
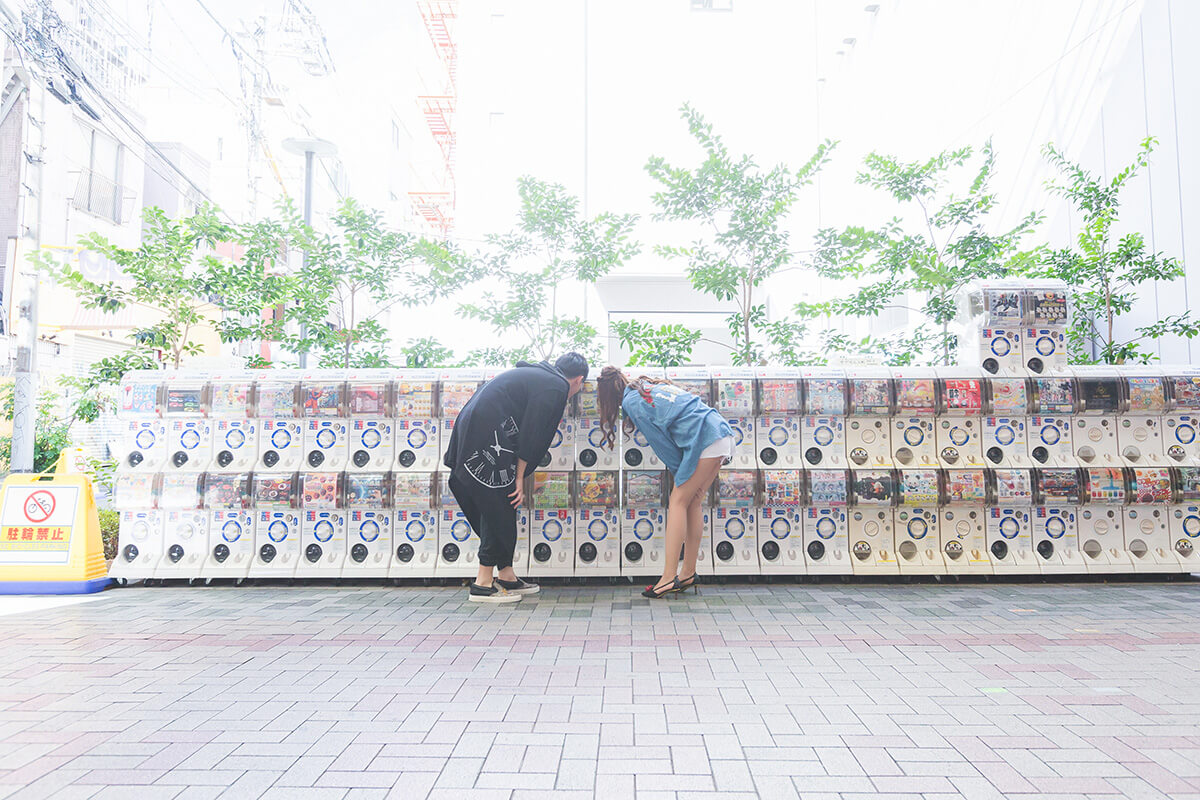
{"x": 235, "y": 430}
{"x": 458, "y": 546}
{"x": 1051, "y": 428}
{"x": 144, "y": 436}
{"x": 326, "y": 426}
{"x": 185, "y": 417}
{"x": 869, "y": 424}
{"x": 1148, "y": 539}
{"x": 560, "y": 456}
{"x": 1006, "y": 423}
{"x": 1058, "y": 492}
{"x": 734, "y": 400}
{"x": 590, "y": 450}
{"x": 826, "y": 526}
{"x": 959, "y": 425}
{"x": 1100, "y": 399}
{"x": 778, "y": 443}
{"x": 1047, "y": 316}
{"x": 963, "y": 520}
{"x": 415, "y": 550}
{"x": 276, "y": 526}
{"x": 280, "y": 432}
{"x": 735, "y": 523}
{"x": 549, "y": 522}
{"x": 140, "y": 531}
{"x": 597, "y": 524}
{"x": 1010, "y": 522}
{"x": 368, "y": 526}
{"x": 914, "y": 442}
{"x": 918, "y": 545}
{"x": 823, "y": 418}
{"x": 227, "y": 501}
{"x": 322, "y": 526}
{"x": 781, "y": 523}
{"x": 1140, "y": 426}
{"x": 871, "y": 523}
{"x": 372, "y": 424}
{"x": 1184, "y": 518}
{"x": 643, "y": 521}
{"x": 1102, "y": 518}
{"x": 185, "y": 526}
{"x": 1181, "y": 423}
{"x": 993, "y": 312}
{"x": 419, "y": 440}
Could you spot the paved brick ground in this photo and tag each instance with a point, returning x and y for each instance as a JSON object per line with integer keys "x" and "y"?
{"x": 774, "y": 691}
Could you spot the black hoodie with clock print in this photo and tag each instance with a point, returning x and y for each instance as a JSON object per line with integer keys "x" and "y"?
{"x": 512, "y": 416}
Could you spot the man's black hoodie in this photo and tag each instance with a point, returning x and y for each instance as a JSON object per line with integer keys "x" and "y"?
{"x": 512, "y": 416}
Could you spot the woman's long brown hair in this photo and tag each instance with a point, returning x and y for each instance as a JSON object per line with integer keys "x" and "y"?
{"x": 610, "y": 389}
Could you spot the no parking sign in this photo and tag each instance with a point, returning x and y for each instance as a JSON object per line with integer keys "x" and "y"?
{"x": 49, "y": 536}
{"x": 36, "y": 524}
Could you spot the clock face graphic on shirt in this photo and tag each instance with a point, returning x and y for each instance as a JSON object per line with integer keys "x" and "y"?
{"x": 495, "y": 465}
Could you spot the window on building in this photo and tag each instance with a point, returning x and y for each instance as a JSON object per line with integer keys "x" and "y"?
{"x": 99, "y": 190}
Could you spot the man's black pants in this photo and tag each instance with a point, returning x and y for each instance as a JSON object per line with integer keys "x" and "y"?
{"x": 492, "y": 517}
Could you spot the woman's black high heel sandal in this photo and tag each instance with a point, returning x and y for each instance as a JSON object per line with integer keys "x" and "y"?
{"x": 688, "y": 583}
{"x": 661, "y": 590}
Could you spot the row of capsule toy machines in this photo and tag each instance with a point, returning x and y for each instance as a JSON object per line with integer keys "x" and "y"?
{"x": 338, "y": 474}
{"x": 1015, "y": 327}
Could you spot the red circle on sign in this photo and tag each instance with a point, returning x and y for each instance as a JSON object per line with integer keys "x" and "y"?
{"x": 39, "y": 506}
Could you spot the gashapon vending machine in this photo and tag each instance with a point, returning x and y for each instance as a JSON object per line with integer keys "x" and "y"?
{"x": 560, "y": 456}
{"x": 549, "y": 524}
{"x": 780, "y": 522}
{"x": 1051, "y": 434}
{"x": 643, "y": 521}
{"x": 458, "y": 545}
{"x": 823, "y": 420}
{"x": 1148, "y": 536}
{"x": 636, "y": 452}
{"x": 185, "y": 525}
{"x": 873, "y": 492}
{"x": 1047, "y": 314}
{"x": 1181, "y": 423}
{"x": 235, "y": 430}
{"x": 276, "y": 526}
{"x": 868, "y": 427}
{"x": 994, "y": 314}
{"x": 590, "y": 451}
{"x": 1140, "y": 426}
{"x": 280, "y": 434}
{"x": 959, "y": 425}
{"x": 918, "y": 538}
{"x": 735, "y": 402}
{"x": 914, "y": 443}
{"x": 777, "y": 437}
{"x": 964, "y": 541}
{"x": 1007, "y": 410}
{"x": 1101, "y": 520}
{"x": 145, "y": 438}
{"x": 1010, "y": 522}
{"x": 326, "y": 426}
{"x": 1100, "y": 400}
{"x": 826, "y": 532}
{"x": 372, "y": 445}
{"x": 1056, "y": 521}
{"x": 415, "y": 532}
{"x": 693, "y": 380}
{"x": 735, "y": 522}
{"x": 185, "y": 416}
{"x": 227, "y": 499}
{"x": 369, "y": 526}
{"x": 1183, "y": 518}
{"x": 322, "y": 526}
{"x": 418, "y": 446}
{"x": 140, "y": 535}
{"x": 597, "y": 526}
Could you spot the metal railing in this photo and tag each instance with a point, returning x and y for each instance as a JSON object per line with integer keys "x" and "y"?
{"x": 98, "y": 195}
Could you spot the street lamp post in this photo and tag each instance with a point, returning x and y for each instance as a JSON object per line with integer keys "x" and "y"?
{"x": 309, "y": 148}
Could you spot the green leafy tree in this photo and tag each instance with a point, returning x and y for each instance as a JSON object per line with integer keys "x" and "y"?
{"x": 664, "y": 346}
{"x": 51, "y": 431}
{"x": 920, "y": 262}
{"x": 425, "y": 353}
{"x": 1105, "y": 273}
{"x": 741, "y": 210}
{"x": 552, "y": 246}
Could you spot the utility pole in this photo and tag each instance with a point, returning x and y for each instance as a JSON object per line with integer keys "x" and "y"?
{"x": 310, "y": 148}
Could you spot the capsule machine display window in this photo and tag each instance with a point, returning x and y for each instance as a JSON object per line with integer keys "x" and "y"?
{"x": 823, "y": 420}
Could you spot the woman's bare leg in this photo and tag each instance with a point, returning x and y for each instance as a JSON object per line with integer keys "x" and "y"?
{"x": 683, "y": 525}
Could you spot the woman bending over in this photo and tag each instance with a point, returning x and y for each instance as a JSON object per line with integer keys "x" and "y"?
{"x": 693, "y": 440}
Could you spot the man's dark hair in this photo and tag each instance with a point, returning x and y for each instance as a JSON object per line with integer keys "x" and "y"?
{"x": 572, "y": 365}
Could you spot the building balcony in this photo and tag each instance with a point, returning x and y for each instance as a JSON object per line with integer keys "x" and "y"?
{"x": 101, "y": 197}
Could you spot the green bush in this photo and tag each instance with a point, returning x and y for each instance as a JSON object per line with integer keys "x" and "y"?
{"x": 110, "y": 521}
